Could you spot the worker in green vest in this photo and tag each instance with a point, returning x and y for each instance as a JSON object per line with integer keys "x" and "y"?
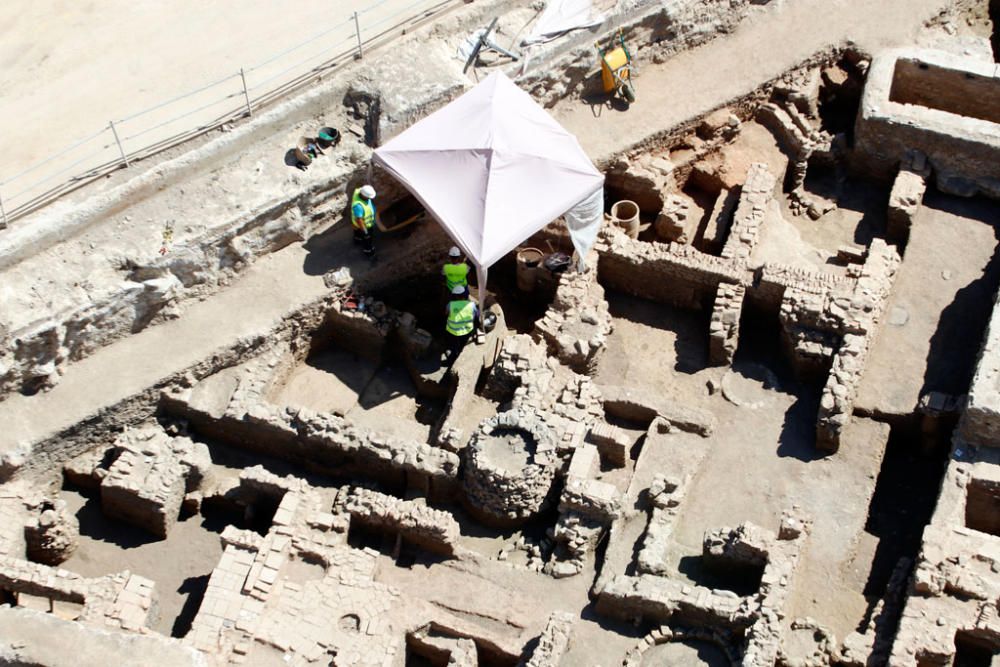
{"x": 456, "y": 271}
{"x": 463, "y": 320}
{"x": 363, "y": 218}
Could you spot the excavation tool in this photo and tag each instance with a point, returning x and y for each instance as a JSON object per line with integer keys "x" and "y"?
{"x": 486, "y": 43}
{"x": 616, "y": 68}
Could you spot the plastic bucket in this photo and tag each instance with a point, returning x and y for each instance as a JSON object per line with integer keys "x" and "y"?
{"x": 528, "y": 261}
{"x": 328, "y": 136}
{"x": 625, "y": 214}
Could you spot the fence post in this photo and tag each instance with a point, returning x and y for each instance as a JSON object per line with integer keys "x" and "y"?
{"x": 246, "y": 93}
{"x": 3, "y": 215}
{"x": 357, "y": 31}
{"x": 119, "y": 142}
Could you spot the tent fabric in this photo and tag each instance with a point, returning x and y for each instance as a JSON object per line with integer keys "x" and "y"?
{"x": 562, "y": 16}
{"x": 584, "y": 221}
{"x": 492, "y": 168}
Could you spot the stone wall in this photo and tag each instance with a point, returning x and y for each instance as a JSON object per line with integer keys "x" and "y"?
{"x": 654, "y": 598}
{"x": 434, "y": 530}
{"x": 504, "y": 494}
{"x": 907, "y": 195}
{"x": 980, "y": 423}
{"x": 859, "y": 313}
{"x": 553, "y": 642}
{"x": 953, "y": 591}
{"x": 124, "y": 601}
{"x": 906, "y": 106}
{"x": 669, "y": 273}
{"x": 755, "y": 196}
{"x": 577, "y": 324}
{"x": 724, "y": 329}
{"x": 326, "y": 443}
{"x": 148, "y": 481}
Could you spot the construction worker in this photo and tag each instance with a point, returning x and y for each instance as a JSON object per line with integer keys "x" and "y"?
{"x": 456, "y": 271}
{"x": 463, "y": 320}
{"x": 363, "y": 218}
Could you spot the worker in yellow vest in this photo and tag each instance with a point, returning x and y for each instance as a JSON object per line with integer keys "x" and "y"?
{"x": 463, "y": 320}
{"x": 456, "y": 271}
{"x": 363, "y": 218}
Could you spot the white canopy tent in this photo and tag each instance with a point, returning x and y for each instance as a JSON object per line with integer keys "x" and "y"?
{"x": 493, "y": 168}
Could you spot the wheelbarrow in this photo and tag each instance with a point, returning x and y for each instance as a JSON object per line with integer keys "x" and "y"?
{"x": 616, "y": 69}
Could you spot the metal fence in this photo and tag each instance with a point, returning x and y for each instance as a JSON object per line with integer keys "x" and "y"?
{"x": 140, "y": 135}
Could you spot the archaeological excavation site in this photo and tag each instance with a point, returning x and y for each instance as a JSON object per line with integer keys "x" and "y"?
{"x": 670, "y": 337}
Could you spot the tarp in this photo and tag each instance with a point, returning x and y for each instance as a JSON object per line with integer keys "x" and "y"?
{"x": 493, "y": 168}
{"x": 561, "y": 16}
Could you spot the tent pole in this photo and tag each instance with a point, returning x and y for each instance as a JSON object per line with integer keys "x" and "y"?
{"x": 481, "y": 272}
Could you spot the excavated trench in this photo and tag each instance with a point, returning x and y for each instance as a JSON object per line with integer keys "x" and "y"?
{"x": 909, "y": 476}
{"x": 656, "y": 347}
{"x": 904, "y": 499}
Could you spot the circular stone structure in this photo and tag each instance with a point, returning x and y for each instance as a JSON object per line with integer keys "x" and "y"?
{"x": 510, "y": 463}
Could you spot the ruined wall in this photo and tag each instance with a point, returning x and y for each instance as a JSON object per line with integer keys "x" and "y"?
{"x": 860, "y": 313}
{"x": 577, "y": 324}
{"x": 664, "y": 272}
{"x": 915, "y": 99}
{"x": 980, "y": 423}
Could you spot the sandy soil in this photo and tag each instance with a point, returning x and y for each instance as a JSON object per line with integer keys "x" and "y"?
{"x": 330, "y": 381}
{"x": 67, "y": 68}
{"x": 380, "y": 398}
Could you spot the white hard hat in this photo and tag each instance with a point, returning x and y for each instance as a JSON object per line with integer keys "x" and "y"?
{"x": 454, "y": 252}
{"x": 368, "y": 192}
{"x": 458, "y": 290}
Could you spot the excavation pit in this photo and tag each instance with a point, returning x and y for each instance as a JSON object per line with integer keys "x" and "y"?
{"x": 659, "y": 459}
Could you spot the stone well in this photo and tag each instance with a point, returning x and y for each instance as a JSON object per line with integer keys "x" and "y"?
{"x": 510, "y": 463}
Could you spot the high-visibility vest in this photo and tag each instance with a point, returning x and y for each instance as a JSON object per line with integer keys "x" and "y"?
{"x": 368, "y": 220}
{"x": 461, "y": 318}
{"x": 455, "y": 275}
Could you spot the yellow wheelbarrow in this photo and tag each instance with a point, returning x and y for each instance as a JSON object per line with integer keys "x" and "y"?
{"x": 616, "y": 69}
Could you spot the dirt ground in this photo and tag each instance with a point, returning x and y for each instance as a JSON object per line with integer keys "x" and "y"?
{"x": 938, "y": 308}
{"x": 67, "y": 68}
{"x": 180, "y": 565}
{"x": 763, "y": 453}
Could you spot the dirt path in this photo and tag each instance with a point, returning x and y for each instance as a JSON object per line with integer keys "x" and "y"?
{"x": 273, "y": 288}
{"x": 772, "y": 40}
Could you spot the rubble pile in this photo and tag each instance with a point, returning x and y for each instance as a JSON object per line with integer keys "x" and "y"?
{"x": 52, "y": 534}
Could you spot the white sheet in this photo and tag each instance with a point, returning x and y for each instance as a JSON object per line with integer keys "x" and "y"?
{"x": 561, "y": 16}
